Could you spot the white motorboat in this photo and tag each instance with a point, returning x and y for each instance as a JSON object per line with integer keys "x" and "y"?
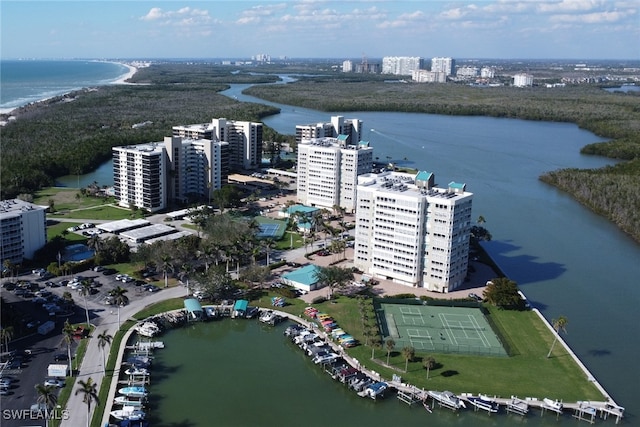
{"x": 552, "y": 405}
{"x": 147, "y": 329}
{"x": 325, "y": 358}
{"x": 128, "y": 413}
{"x": 126, "y": 401}
{"x": 484, "y": 402}
{"x": 137, "y": 371}
{"x": 447, "y": 399}
{"x": 134, "y": 391}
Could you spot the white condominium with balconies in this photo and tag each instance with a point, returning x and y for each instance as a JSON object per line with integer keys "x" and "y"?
{"x": 139, "y": 176}
{"x": 338, "y": 125}
{"x": 328, "y": 170}
{"x": 23, "y": 230}
{"x": 411, "y": 232}
{"x": 244, "y": 138}
{"x": 197, "y": 167}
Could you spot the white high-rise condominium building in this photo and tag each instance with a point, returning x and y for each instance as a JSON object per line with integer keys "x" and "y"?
{"x": 522, "y": 80}
{"x": 178, "y": 169}
{"x": 338, "y": 125}
{"x": 401, "y": 65}
{"x": 244, "y": 138}
{"x": 23, "y": 230}
{"x": 347, "y": 66}
{"x": 443, "y": 65}
{"x": 198, "y": 167}
{"x": 328, "y": 170}
{"x": 139, "y": 176}
{"x": 411, "y": 232}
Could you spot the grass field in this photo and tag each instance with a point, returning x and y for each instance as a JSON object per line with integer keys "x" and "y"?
{"x": 527, "y": 373}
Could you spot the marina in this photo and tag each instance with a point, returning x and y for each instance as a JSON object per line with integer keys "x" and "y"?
{"x": 318, "y": 344}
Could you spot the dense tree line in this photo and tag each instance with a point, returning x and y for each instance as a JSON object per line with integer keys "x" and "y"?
{"x": 74, "y": 134}
{"x": 611, "y": 191}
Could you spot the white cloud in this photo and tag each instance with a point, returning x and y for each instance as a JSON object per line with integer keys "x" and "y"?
{"x": 180, "y": 17}
{"x": 591, "y": 18}
{"x": 569, "y": 6}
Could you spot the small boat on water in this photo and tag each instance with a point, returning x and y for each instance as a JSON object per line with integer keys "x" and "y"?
{"x": 128, "y": 413}
{"x": 270, "y": 317}
{"x": 134, "y": 370}
{"x": 517, "y": 406}
{"x": 134, "y": 391}
{"x": 447, "y": 398}
{"x": 126, "y": 401}
{"x": 374, "y": 390}
{"x": 147, "y": 329}
{"x": 552, "y": 405}
{"x": 484, "y": 402}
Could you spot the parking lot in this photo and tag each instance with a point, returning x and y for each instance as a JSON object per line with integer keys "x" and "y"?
{"x": 38, "y": 301}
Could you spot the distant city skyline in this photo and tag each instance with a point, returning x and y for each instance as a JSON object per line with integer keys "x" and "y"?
{"x": 541, "y": 29}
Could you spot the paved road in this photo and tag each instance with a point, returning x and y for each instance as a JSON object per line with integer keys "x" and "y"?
{"x": 92, "y": 366}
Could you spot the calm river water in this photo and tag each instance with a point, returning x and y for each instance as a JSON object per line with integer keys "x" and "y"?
{"x": 567, "y": 260}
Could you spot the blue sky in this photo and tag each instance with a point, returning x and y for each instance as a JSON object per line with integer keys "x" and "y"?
{"x": 572, "y": 29}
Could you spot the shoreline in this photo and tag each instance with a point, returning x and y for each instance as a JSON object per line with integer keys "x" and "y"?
{"x": 12, "y": 113}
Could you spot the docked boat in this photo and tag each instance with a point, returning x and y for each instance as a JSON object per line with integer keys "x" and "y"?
{"x": 134, "y": 370}
{"x": 270, "y": 317}
{"x": 128, "y": 413}
{"x": 147, "y": 329}
{"x": 134, "y": 391}
{"x": 517, "y": 406}
{"x": 374, "y": 390}
{"x": 325, "y": 358}
{"x": 447, "y": 398}
{"x": 552, "y": 405}
{"x": 126, "y": 401}
{"x": 484, "y": 402}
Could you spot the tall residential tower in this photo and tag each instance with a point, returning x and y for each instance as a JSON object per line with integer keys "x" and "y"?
{"x": 411, "y": 232}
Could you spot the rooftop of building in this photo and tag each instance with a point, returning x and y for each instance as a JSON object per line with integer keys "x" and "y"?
{"x": 335, "y": 143}
{"x": 11, "y": 207}
{"x": 306, "y": 275}
{"x": 149, "y": 147}
{"x": 418, "y": 184}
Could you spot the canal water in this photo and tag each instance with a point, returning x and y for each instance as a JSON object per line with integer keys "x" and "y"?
{"x": 238, "y": 372}
{"x": 567, "y": 260}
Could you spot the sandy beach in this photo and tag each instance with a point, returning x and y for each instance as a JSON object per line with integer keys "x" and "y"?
{"x": 132, "y": 70}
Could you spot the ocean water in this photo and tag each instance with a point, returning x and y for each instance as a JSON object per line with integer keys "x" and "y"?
{"x": 26, "y": 81}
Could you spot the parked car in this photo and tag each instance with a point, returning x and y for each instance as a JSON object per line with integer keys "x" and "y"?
{"x": 6, "y": 381}
{"x": 109, "y": 271}
{"x": 54, "y": 382}
{"x": 474, "y": 297}
{"x": 98, "y": 268}
{"x": 152, "y": 288}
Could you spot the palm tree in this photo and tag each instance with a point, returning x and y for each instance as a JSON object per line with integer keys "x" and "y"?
{"x": 90, "y": 391}
{"x": 47, "y": 396}
{"x": 84, "y": 291}
{"x": 185, "y": 271}
{"x": 268, "y": 244}
{"x": 481, "y": 220}
{"x": 6, "y": 334}
{"x": 559, "y": 324}
{"x": 408, "y": 353}
{"x": 166, "y": 267}
{"x": 376, "y": 343}
{"x": 389, "y": 344}
{"x": 103, "y": 339}
{"x": 67, "y": 332}
{"x": 119, "y": 299}
{"x": 428, "y": 363}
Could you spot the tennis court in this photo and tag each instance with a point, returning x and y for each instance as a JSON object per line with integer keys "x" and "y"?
{"x": 270, "y": 228}
{"x": 441, "y": 329}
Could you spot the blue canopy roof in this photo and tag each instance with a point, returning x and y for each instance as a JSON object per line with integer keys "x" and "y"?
{"x": 192, "y": 305}
{"x": 241, "y": 305}
{"x": 305, "y": 275}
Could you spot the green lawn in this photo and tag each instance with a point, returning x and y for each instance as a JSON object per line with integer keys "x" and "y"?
{"x": 527, "y": 373}
{"x": 102, "y": 212}
{"x": 285, "y": 242}
{"x": 65, "y": 199}
{"x": 55, "y": 228}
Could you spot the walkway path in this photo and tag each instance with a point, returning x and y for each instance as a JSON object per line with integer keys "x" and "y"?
{"x": 92, "y": 362}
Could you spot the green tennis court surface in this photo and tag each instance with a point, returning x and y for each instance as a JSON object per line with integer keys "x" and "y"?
{"x": 439, "y": 329}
